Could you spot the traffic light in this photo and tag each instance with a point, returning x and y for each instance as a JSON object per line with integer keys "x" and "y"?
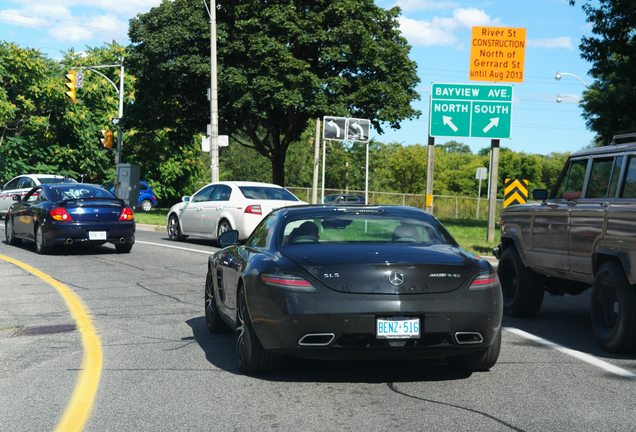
{"x": 107, "y": 140}
{"x": 70, "y": 76}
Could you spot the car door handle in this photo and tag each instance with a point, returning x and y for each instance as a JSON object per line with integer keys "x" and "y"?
{"x": 199, "y": 208}
{"x": 605, "y": 204}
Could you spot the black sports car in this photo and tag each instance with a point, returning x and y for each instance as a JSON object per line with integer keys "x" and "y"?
{"x": 68, "y": 213}
{"x": 353, "y": 282}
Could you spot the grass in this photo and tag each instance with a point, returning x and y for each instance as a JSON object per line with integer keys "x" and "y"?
{"x": 156, "y": 216}
{"x": 469, "y": 233}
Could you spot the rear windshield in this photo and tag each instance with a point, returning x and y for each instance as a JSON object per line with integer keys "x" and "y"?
{"x": 52, "y": 180}
{"x": 267, "y": 193}
{"x": 79, "y": 191}
{"x": 361, "y": 228}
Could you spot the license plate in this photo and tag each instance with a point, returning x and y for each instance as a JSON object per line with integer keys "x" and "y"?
{"x": 397, "y": 328}
{"x": 97, "y": 235}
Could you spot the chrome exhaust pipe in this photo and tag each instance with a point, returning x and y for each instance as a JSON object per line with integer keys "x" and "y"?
{"x": 316, "y": 339}
{"x": 122, "y": 240}
{"x": 68, "y": 241}
{"x": 468, "y": 338}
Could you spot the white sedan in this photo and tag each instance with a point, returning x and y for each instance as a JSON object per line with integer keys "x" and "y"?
{"x": 20, "y": 185}
{"x": 226, "y": 205}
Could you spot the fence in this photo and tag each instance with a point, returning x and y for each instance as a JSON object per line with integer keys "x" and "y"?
{"x": 444, "y": 206}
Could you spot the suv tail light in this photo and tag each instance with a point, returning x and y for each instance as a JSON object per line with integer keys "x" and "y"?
{"x": 60, "y": 214}
{"x": 254, "y": 209}
{"x": 126, "y": 214}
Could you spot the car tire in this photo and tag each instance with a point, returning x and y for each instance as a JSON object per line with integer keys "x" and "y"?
{"x": 41, "y": 245}
{"x": 478, "y": 361}
{"x": 174, "y": 229}
{"x": 521, "y": 287}
{"x": 613, "y": 309}
{"x": 252, "y": 357}
{"x": 9, "y": 233}
{"x": 146, "y": 205}
{"x": 212, "y": 318}
{"x": 123, "y": 247}
{"x": 223, "y": 226}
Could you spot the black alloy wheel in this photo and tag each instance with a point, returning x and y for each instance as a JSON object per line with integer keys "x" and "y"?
{"x": 212, "y": 317}
{"x": 41, "y": 245}
{"x": 522, "y": 288}
{"x": 613, "y": 309}
{"x": 9, "y": 233}
{"x": 174, "y": 230}
{"x": 224, "y": 226}
{"x": 251, "y": 356}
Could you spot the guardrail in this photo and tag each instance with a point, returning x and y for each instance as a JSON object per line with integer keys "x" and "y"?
{"x": 444, "y": 206}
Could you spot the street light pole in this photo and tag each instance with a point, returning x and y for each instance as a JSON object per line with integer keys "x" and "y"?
{"x": 214, "y": 105}
{"x": 559, "y": 75}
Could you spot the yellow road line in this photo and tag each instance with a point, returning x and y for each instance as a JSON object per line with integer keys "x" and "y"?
{"x": 80, "y": 406}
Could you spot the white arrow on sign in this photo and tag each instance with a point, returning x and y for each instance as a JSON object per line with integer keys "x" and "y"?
{"x": 356, "y": 125}
{"x": 335, "y": 126}
{"x": 448, "y": 121}
{"x": 493, "y": 122}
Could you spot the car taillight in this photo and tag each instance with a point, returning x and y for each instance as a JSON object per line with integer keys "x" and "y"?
{"x": 126, "y": 214}
{"x": 484, "y": 281}
{"x": 287, "y": 281}
{"x": 254, "y": 209}
{"x": 60, "y": 214}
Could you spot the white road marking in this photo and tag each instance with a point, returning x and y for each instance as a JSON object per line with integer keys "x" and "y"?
{"x": 175, "y": 247}
{"x": 587, "y": 358}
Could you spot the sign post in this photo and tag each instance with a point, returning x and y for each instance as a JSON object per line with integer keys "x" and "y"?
{"x": 480, "y": 175}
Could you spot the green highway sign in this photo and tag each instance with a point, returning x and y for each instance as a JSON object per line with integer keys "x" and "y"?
{"x": 470, "y": 110}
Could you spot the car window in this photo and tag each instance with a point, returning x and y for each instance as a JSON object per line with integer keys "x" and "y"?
{"x": 204, "y": 194}
{"x": 356, "y": 228}
{"x": 572, "y": 182}
{"x": 221, "y": 193}
{"x": 267, "y": 193}
{"x": 262, "y": 234}
{"x": 78, "y": 191}
{"x": 55, "y": 180}
{"x": 13, "y": 184}
{"x": 629, "y": 184}
{"x": 604, "y": 177}
{"x": 25, "y": 183}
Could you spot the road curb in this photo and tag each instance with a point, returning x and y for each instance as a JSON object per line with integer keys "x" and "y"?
{"x": 149, "y": 227}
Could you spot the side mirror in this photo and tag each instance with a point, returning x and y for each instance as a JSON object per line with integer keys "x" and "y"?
{"x": 228, "y": 238}
{"x": 540, "y": 194}
{"x": 185, "y": 199}
{"x": 16, "y": 197}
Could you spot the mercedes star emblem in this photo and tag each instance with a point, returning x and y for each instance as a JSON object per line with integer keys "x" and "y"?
{"x": 396, "y": 278}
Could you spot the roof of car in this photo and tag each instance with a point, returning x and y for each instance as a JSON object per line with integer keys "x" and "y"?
{"x": 247, "y": 183}
{"x": 612, "y": 148}
{"x": 341, "y": 209}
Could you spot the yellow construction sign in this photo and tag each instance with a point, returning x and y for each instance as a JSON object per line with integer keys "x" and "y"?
{"x": 515, "y": 191}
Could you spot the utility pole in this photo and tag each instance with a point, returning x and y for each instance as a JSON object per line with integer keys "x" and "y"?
{"x": 214, "y": 102}
{"x": 120, "y": 115}
{"x": 314, "y": 186}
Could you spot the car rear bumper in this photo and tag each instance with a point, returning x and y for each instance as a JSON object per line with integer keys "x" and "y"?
{"x": 281, "y": 319}
{"x": 78, "y": 232}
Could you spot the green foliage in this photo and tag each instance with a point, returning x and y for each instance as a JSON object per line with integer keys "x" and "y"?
{"x": 281, "y": 64}
{"x": 608, "y": 103}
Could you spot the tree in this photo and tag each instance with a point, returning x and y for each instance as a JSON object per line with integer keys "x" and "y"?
{"x": 609, "y": 102}
{"x": 455, "y": 147}
{"x": 281, "y": 64}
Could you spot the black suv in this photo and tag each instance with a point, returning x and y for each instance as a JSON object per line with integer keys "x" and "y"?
{"x": 583, "y": 234}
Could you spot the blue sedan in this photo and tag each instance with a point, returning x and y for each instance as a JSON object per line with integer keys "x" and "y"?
{"x": 64, "y": 214}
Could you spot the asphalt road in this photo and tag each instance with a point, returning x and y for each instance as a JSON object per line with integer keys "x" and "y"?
{"x": 162, "y": 371}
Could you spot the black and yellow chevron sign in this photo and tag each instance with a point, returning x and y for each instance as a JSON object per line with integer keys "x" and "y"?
{"x": 515, "y": 191}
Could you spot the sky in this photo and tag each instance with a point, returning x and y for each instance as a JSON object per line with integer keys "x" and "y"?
{"x": 439, "y": 32}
